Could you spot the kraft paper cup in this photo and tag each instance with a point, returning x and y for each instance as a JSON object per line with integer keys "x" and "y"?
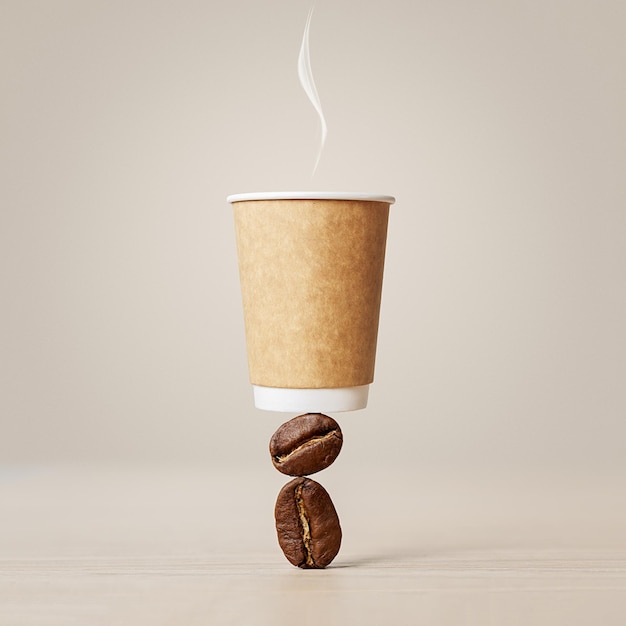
{"x": 311, "y": 271}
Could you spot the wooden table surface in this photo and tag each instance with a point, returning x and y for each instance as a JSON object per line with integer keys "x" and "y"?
{"x": 134, "y": 546}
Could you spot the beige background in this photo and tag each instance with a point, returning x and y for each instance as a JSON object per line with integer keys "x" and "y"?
{"x": 500, "y": 129}
{"x": 485, "y": 482}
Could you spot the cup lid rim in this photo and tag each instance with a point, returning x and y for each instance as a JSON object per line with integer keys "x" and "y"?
{"x": 309, "y": 195}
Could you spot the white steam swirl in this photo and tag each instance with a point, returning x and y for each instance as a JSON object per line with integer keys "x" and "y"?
{"x": 305, "y": 73}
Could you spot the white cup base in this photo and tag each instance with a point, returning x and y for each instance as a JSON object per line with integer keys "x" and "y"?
{"x": 310, "y": 400}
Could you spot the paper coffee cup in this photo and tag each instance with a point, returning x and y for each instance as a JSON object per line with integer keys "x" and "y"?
{"x": 311, "y": 270}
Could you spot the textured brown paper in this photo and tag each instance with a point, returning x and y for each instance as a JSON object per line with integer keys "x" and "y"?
{"x": 311, "y": 277}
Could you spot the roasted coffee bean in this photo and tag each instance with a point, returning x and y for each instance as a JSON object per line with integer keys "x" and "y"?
{"x": 306, "y": 444}
{"x": 307, "y": 524}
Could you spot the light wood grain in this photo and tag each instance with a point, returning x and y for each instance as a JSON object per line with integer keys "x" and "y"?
{"x": 187, "y": 546}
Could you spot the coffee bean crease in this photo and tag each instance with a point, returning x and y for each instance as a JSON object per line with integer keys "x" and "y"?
{"x": 319, "y": 439}
{"x": 305, "y": 529}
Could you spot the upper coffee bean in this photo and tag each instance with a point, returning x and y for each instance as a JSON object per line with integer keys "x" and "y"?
{"x": 306, "y": 444}
{"x": 307, "y": 524}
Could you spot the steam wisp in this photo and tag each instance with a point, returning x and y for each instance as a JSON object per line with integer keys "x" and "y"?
{"x": 305, "y": 73}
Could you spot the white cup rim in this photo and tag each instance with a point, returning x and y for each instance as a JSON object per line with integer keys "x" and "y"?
{"x": 310, "y": 400}
{"x": 309, "y": 195}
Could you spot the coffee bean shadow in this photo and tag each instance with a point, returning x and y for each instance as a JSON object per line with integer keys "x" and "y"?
{"x": 403, "y": 557}
{"x": 373, "y": 561}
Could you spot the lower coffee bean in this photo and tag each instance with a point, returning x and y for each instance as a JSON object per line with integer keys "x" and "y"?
{"x": 306, "y": 444}
{"x": 307, "y": 524}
